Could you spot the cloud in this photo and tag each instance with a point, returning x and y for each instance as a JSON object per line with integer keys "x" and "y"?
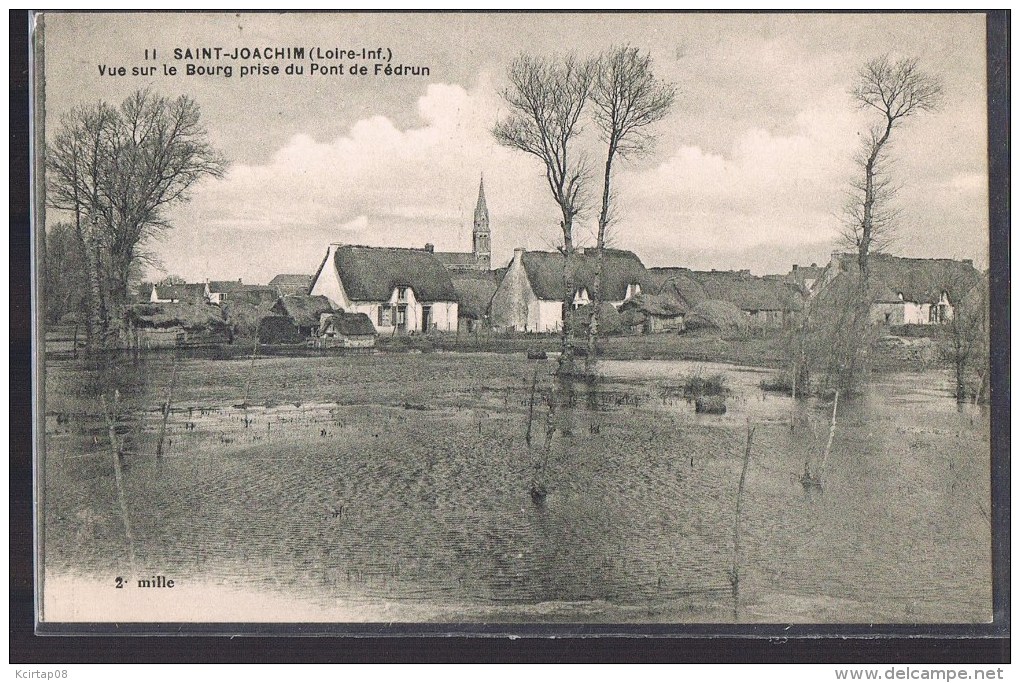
{"x": 376, "y": 183}
{"x": 768, "y": 188}
{"x": 772, "y": 196}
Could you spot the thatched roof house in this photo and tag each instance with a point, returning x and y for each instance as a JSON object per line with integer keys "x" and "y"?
{"x": 529, "y": 295}
{"x": 347, "y": 330}
{"x": 304, "y": 311}
{"x": 902, "y": 290}
{"x": 174, "y": 324}
{"x": 620, "y": 272}
{"x": 186, "y": 316}
{"x": 218, "y": 291}
{"x": 765, "y": 300}
{"x": 654, "y": 313}
{"x": 172, "y": 294}
{"x": 403, "y": 290}
{"x": 805, "y": 277}
{"x": 474, "y": 291}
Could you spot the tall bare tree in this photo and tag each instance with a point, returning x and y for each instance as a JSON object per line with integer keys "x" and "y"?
{"x": 896, "y": 90}
{"x": 75, "y": 164}
{"x": 547, "y": 98}
{"x": 628, "y": 100}
{"x": 117, "y": 171}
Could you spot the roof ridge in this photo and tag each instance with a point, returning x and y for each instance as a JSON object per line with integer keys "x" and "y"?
{"x": 377, "y": 248}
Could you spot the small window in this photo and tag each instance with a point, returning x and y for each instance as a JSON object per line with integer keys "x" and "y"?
{"x": 385, "y": 316}
{"x": 402, "y": 293}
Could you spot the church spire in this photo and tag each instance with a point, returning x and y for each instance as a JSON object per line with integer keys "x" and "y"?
{"x": 481, "y": 211}
{"x": 480, "y": 234}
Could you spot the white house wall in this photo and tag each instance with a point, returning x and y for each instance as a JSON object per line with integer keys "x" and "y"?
{"x": 444, "y": 316}
{"x": 514, "y": 299}
{"x": 550, "y": 316}
{"x": 888, "y": 312}
{"x": 915, "y": 314}
{"x": 328, "y": 283}
{"x": 444, "y": 313}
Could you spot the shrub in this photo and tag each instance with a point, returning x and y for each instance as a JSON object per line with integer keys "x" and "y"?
{"x": 609, "y": 320}
{"x": 779, "y": 383}
{"x": 697, "y": 385}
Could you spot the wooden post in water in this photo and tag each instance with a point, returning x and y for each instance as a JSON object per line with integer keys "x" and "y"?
{"x": 118, "y": 473}
{"x": 828, "y": 444}
{"x": 166, "y": 408}
{"x": 531, "y": 407}
{"x": 793, "y": 398}
{"x": 251, "y": 372}
{"x": 735, "y": 571}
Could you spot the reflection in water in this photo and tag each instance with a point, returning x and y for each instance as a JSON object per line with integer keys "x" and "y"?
{"x": 436, "y": 501}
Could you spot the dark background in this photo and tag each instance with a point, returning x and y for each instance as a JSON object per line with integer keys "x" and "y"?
{"x": 766, "y": 644}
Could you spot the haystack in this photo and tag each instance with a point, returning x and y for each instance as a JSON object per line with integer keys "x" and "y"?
{"x": 717, "y": 315}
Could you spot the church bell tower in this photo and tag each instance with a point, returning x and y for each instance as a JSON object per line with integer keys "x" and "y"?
{"x": 481, "y": 245}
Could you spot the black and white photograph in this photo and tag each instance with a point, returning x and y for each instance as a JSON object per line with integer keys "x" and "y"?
{"x": 512, "y": 319}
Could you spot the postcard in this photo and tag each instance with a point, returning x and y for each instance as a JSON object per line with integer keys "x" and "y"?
{"x": 452, "y": 318}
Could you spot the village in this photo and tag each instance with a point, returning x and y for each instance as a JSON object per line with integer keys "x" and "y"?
{"x": 359, "y": 293}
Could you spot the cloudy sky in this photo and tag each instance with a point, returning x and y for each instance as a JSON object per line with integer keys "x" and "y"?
{"x": 749, "y": 170}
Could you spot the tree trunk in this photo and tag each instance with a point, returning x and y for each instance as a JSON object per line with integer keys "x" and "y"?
{"x": 96, "y": 323}
{"x": 566, "y": 364}
{"x": 600, "y": 247}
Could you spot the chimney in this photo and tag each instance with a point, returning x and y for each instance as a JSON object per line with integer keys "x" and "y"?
{"x": 746, "y": 272}
{"x": 519, "y": 253}
{"x": 969, "y": 262}
{"x": 430, "y": 248}
{"x": 813, "y": 265}
{"x": 795, "y": 267}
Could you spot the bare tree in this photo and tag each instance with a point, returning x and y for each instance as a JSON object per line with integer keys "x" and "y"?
{"x": 896, "y": 90}
{"x": 117, "y": 171}
{"x": 75, "y": 170}
{"x": 628, "y": 100}
{"x": 171, "y": 280}
{"x": 546, "y": 99}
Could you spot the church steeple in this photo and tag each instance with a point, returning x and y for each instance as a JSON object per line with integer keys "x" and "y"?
{"x": 480, "y": 234}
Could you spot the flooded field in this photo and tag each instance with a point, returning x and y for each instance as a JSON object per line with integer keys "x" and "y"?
{"x": 398, "y": 487}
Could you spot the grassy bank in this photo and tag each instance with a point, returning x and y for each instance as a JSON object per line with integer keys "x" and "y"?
{"x": 769, "y": 351}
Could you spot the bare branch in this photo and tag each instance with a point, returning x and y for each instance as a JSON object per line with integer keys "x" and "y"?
{"x": 118, "y": 171}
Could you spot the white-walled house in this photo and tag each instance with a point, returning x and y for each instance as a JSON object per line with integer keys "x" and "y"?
{"x": 903, "y": 291}
{"x": 175, "y": 294}
{"x": 529, "y": 298}
{"x": 400, "y": 290}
